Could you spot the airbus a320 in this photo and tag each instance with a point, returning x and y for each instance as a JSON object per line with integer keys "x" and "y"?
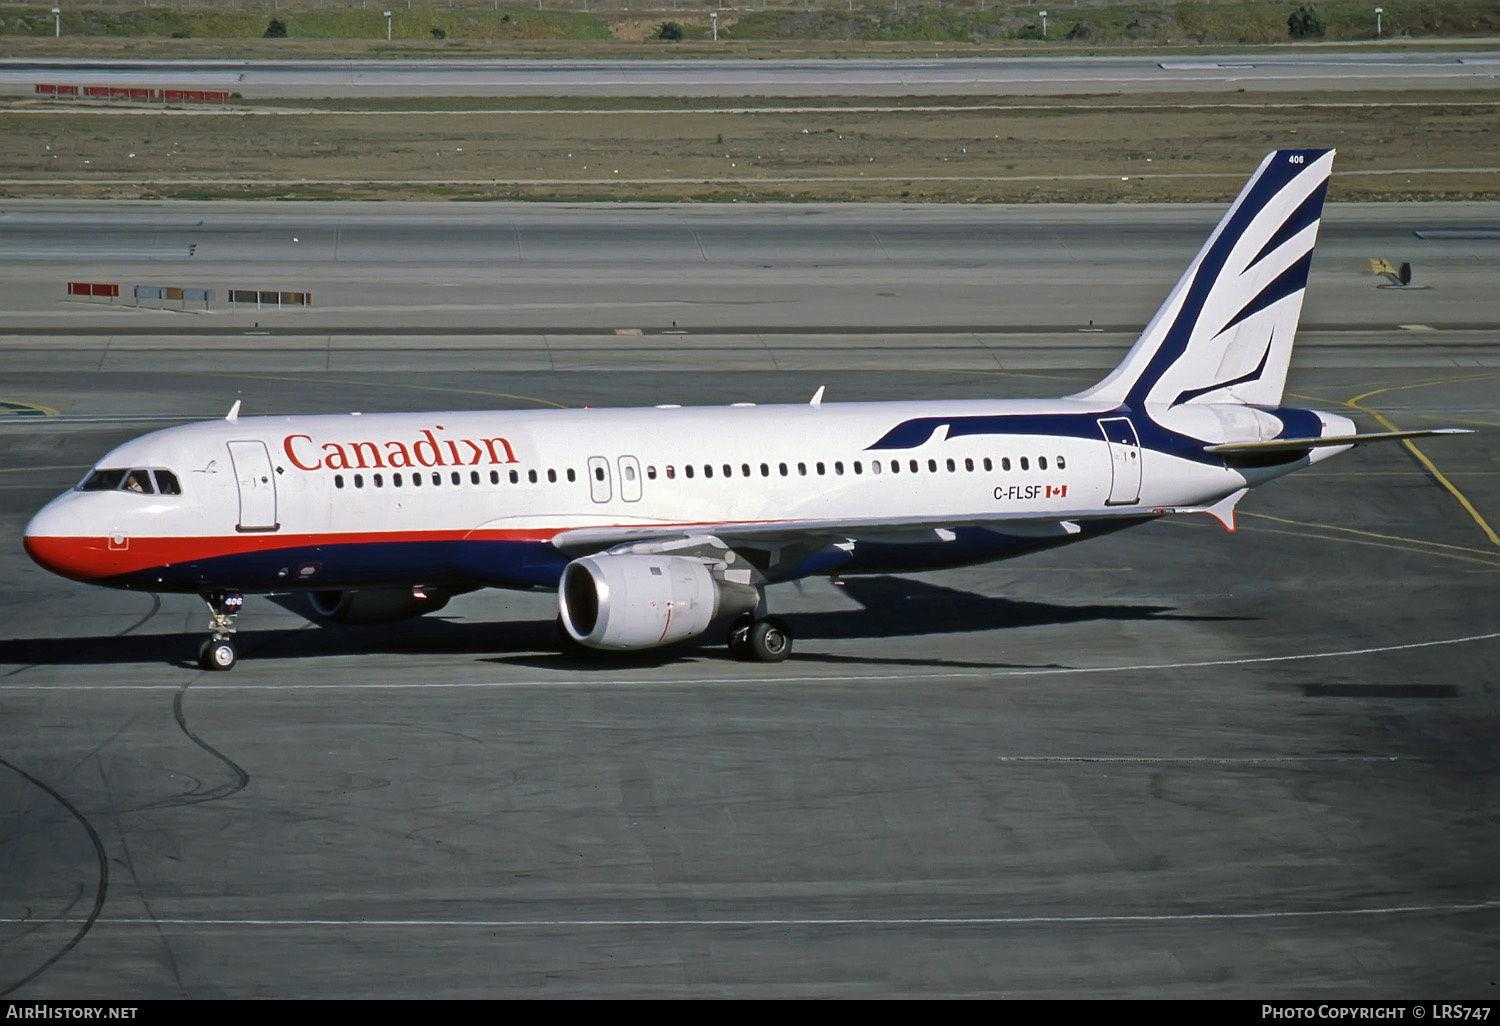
{"x": 651, "y": 524}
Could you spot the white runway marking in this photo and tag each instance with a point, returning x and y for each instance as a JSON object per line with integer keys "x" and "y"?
{"x": 1047, "y": 671}
{"x": 1189, "y": 760}
{"x": 895, "y": 921}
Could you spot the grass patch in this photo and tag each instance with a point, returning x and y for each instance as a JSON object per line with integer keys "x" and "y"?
{"x": 507, "y": 23}
{"x": 1115, "y": 24}
{"x": 439, "y": 31}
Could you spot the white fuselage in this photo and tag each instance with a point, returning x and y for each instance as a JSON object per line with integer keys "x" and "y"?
{"x": 476, "y": 498}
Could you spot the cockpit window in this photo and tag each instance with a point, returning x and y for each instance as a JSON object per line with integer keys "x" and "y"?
{"x": 138, "y": 480}
{"x": 102, "y": 481}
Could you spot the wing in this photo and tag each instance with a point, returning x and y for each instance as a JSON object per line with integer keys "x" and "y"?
{"x": 774, "y": 547}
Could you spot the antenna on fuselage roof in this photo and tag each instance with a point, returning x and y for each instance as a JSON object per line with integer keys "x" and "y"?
{"x": 234, "y": 411}
{"x": 817, "y": 399}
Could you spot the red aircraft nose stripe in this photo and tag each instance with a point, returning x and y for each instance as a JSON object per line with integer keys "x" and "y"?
{"x": 81, "y": 559}
{"x": 89, "y": 558}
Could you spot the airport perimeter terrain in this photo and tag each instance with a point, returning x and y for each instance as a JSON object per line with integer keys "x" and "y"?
{"x": 1175, "y": 762}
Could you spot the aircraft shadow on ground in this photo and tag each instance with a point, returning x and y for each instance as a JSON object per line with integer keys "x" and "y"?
{"x": 894, "y": 607}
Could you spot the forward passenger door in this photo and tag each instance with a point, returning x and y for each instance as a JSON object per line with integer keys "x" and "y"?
{"x": 257, "y": 484}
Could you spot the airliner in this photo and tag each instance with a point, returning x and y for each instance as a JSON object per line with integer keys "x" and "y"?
{"x": 651, "y": 524}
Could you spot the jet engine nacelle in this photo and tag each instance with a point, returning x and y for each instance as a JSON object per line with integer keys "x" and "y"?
{"x": 631, "y": 601}
{"x": 374, "y": 605}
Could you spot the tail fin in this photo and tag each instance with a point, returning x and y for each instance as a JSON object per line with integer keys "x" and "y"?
{"x": 1225, "y": 333}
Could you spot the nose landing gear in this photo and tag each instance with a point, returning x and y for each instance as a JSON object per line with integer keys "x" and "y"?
{"x": 218, "y": 652}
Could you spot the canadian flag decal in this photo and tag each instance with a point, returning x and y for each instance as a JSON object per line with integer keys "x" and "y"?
{"x": 1060, "y": 491}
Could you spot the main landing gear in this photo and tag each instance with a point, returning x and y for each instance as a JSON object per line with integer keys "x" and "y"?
{"x": 218, "y": 652}
{"x": 766, "y": 640}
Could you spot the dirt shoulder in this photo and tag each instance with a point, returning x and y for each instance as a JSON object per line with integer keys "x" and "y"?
{"x": 1436, "y": 146}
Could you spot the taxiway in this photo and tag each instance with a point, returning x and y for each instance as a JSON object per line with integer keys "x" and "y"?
{"x": 1171, "y": 763}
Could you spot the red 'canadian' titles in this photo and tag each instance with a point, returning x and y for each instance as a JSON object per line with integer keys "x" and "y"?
{"x": 428, "y": 451}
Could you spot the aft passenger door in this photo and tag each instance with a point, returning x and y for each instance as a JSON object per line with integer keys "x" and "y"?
{"x": 257, "y": 484}
{"x": 1124, "y": 461}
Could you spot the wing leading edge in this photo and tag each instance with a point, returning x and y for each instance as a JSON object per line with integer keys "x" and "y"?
{"x": 890, "y": 529}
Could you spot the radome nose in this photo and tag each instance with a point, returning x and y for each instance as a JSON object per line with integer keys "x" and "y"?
{"x": 55, "y": 540}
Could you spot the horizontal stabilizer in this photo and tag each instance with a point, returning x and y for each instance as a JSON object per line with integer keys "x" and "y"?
{"x": 1284, "y": 444}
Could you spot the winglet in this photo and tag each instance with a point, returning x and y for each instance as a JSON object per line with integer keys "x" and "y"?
{"x": 234, "y": 412}
{"x": 1223, "y": 510}
{"x": 817, "y": 399}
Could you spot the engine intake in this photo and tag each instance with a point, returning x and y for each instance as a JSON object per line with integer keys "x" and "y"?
{"x": 634, "y": 601}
